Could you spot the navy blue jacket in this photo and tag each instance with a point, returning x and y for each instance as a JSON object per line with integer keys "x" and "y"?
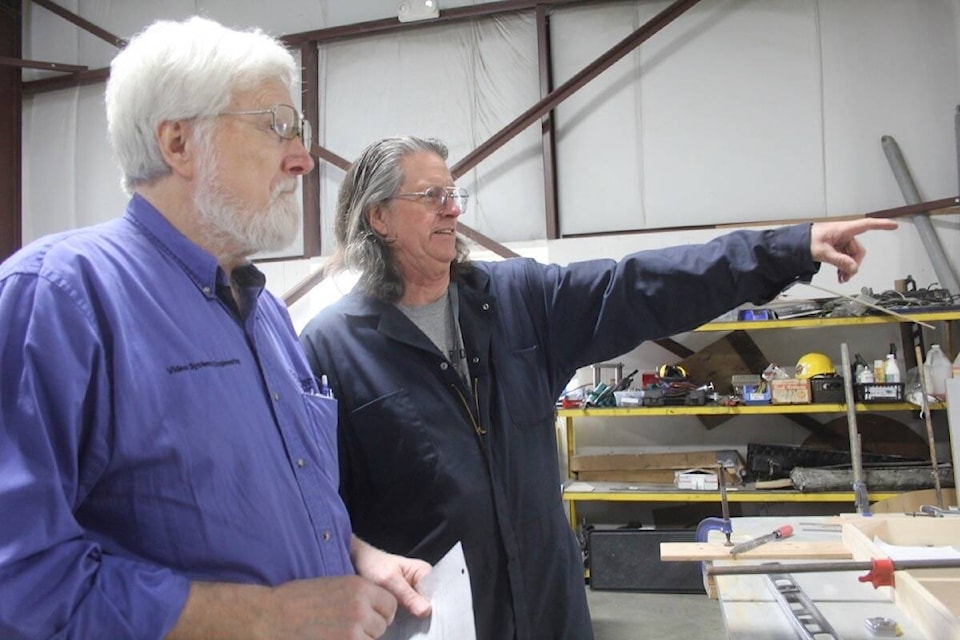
{"x": 427, "y": 461}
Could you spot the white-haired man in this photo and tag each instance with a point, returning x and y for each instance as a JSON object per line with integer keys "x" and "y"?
{"x": 167, "y": 464}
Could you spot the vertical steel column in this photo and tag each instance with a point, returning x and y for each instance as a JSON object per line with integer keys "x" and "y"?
{"x": 10, "y": 130}
{"x": 547, "y": 125}
{"x": 310, "y": 101}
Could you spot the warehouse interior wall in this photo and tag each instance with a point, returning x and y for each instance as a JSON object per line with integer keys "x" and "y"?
{"x": 741, "y": 112}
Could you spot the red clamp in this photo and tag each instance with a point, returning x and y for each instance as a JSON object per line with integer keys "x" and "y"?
{"x": 880, "y": 574}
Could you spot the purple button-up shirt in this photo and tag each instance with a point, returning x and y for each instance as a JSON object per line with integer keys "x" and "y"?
{"x": 150, "y": 435}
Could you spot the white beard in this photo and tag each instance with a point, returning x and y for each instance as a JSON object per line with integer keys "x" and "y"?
{"x": 232, "y": 226}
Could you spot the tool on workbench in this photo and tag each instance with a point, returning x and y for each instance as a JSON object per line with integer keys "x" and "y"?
{"x": 883, "y": 627}
{"x": 718, "y": 524}
{"x": 782, "y": 532}
{"x": 715, "y": 524}
{"x": 803, "y": 614}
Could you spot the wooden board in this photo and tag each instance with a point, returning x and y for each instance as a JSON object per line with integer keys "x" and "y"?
{"x": 779, "y": 550}
{"x": 931, "y": 598}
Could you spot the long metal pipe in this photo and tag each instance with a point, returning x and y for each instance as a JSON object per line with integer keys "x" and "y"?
{"x": 820, "y": 567}
{"x": 860, "y": 496}
{"x": 931, "y": 242}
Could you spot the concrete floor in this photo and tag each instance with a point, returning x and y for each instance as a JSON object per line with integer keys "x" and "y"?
{"x": 619, "y": 615}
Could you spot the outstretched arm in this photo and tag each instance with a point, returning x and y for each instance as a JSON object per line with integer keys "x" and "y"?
{"x": 836, "y": 243}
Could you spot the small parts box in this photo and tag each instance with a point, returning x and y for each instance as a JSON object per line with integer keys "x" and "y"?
{"x": 828, "y": 390}
{"x": 879, "y": 392}
{"x": 790, "y": 391}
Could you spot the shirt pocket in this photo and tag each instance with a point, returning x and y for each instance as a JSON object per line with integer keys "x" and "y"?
{"x": 526, "y": 388}
{"x": 391, "y": 438}
{"x": 322, "y": 418}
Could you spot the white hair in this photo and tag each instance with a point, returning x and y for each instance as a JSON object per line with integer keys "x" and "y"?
{"x": 180, "y": 71}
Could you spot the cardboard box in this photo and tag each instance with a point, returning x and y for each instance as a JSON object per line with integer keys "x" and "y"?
{"x": 696, "y": 480}
{"x": 655, "y": 468}
{"x": 790, "y": 391}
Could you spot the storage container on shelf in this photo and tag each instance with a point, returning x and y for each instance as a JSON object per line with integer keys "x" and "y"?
{"x": 936, "y": 370}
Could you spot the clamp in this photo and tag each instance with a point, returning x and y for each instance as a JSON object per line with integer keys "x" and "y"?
{"x": 880, "y": 574}
{"x": 718, "y": 524}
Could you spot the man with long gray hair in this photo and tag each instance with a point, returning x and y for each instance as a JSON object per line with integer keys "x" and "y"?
{"x": 167, "y": 463}
{"x": 447, "y": 372}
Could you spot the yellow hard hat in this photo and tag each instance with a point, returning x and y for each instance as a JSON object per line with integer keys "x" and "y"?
{"x": 814, "y": 364}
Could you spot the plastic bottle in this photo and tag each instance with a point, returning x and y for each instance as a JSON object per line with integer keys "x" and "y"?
{"x": 891, "y": 370}
{"x": 878, "y": 375}
{"x": 936, "y": 370}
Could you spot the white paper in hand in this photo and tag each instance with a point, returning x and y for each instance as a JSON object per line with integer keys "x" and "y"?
{"x": 448, "y": 588}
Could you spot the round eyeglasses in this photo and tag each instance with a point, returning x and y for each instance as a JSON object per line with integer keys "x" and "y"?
{"x": 436, "y": 198}
{"x": 286, "y": 122}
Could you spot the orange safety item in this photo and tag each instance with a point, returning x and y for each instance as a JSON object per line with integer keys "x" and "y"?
{"x": 814, "y": 364}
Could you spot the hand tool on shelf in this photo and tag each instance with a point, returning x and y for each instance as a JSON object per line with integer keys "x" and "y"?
{"x": 782, "y": 532}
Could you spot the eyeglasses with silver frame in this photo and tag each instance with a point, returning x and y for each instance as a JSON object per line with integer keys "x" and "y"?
{"x": 285, "y": 121}
{"x": 436, "y": 198}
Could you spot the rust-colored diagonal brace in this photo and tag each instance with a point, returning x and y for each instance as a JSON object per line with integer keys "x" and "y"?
{"x": 86, "y": 25}
{"x": 37, "y": 64}
{"x": 569, "y": 87}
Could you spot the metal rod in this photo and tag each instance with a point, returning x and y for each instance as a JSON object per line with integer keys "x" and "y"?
{"x": 860, "y": 498}
{"x": 823, "y": 567}
{"x": 724, "y": 503}
{"x": 925, "y": 408}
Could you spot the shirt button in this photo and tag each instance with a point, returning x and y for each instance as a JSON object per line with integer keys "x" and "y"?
{"x": 276, "y": 397}
{"x": 326, "y": 536}
{"x": 475, "y": 360}
{"x": 486, "y": 306}
{"x": 300, "y": 462}
{"x": 206, "y": 290}
{"x": 443, "y": 366}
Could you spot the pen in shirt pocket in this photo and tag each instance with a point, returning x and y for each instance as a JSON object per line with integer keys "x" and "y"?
{"x": 325, "y": 387}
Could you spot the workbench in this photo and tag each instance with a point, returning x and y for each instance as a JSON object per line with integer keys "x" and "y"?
{"x": 750, "y": 608}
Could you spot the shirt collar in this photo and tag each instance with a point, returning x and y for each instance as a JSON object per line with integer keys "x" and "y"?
{"x": 199, "y": 265}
